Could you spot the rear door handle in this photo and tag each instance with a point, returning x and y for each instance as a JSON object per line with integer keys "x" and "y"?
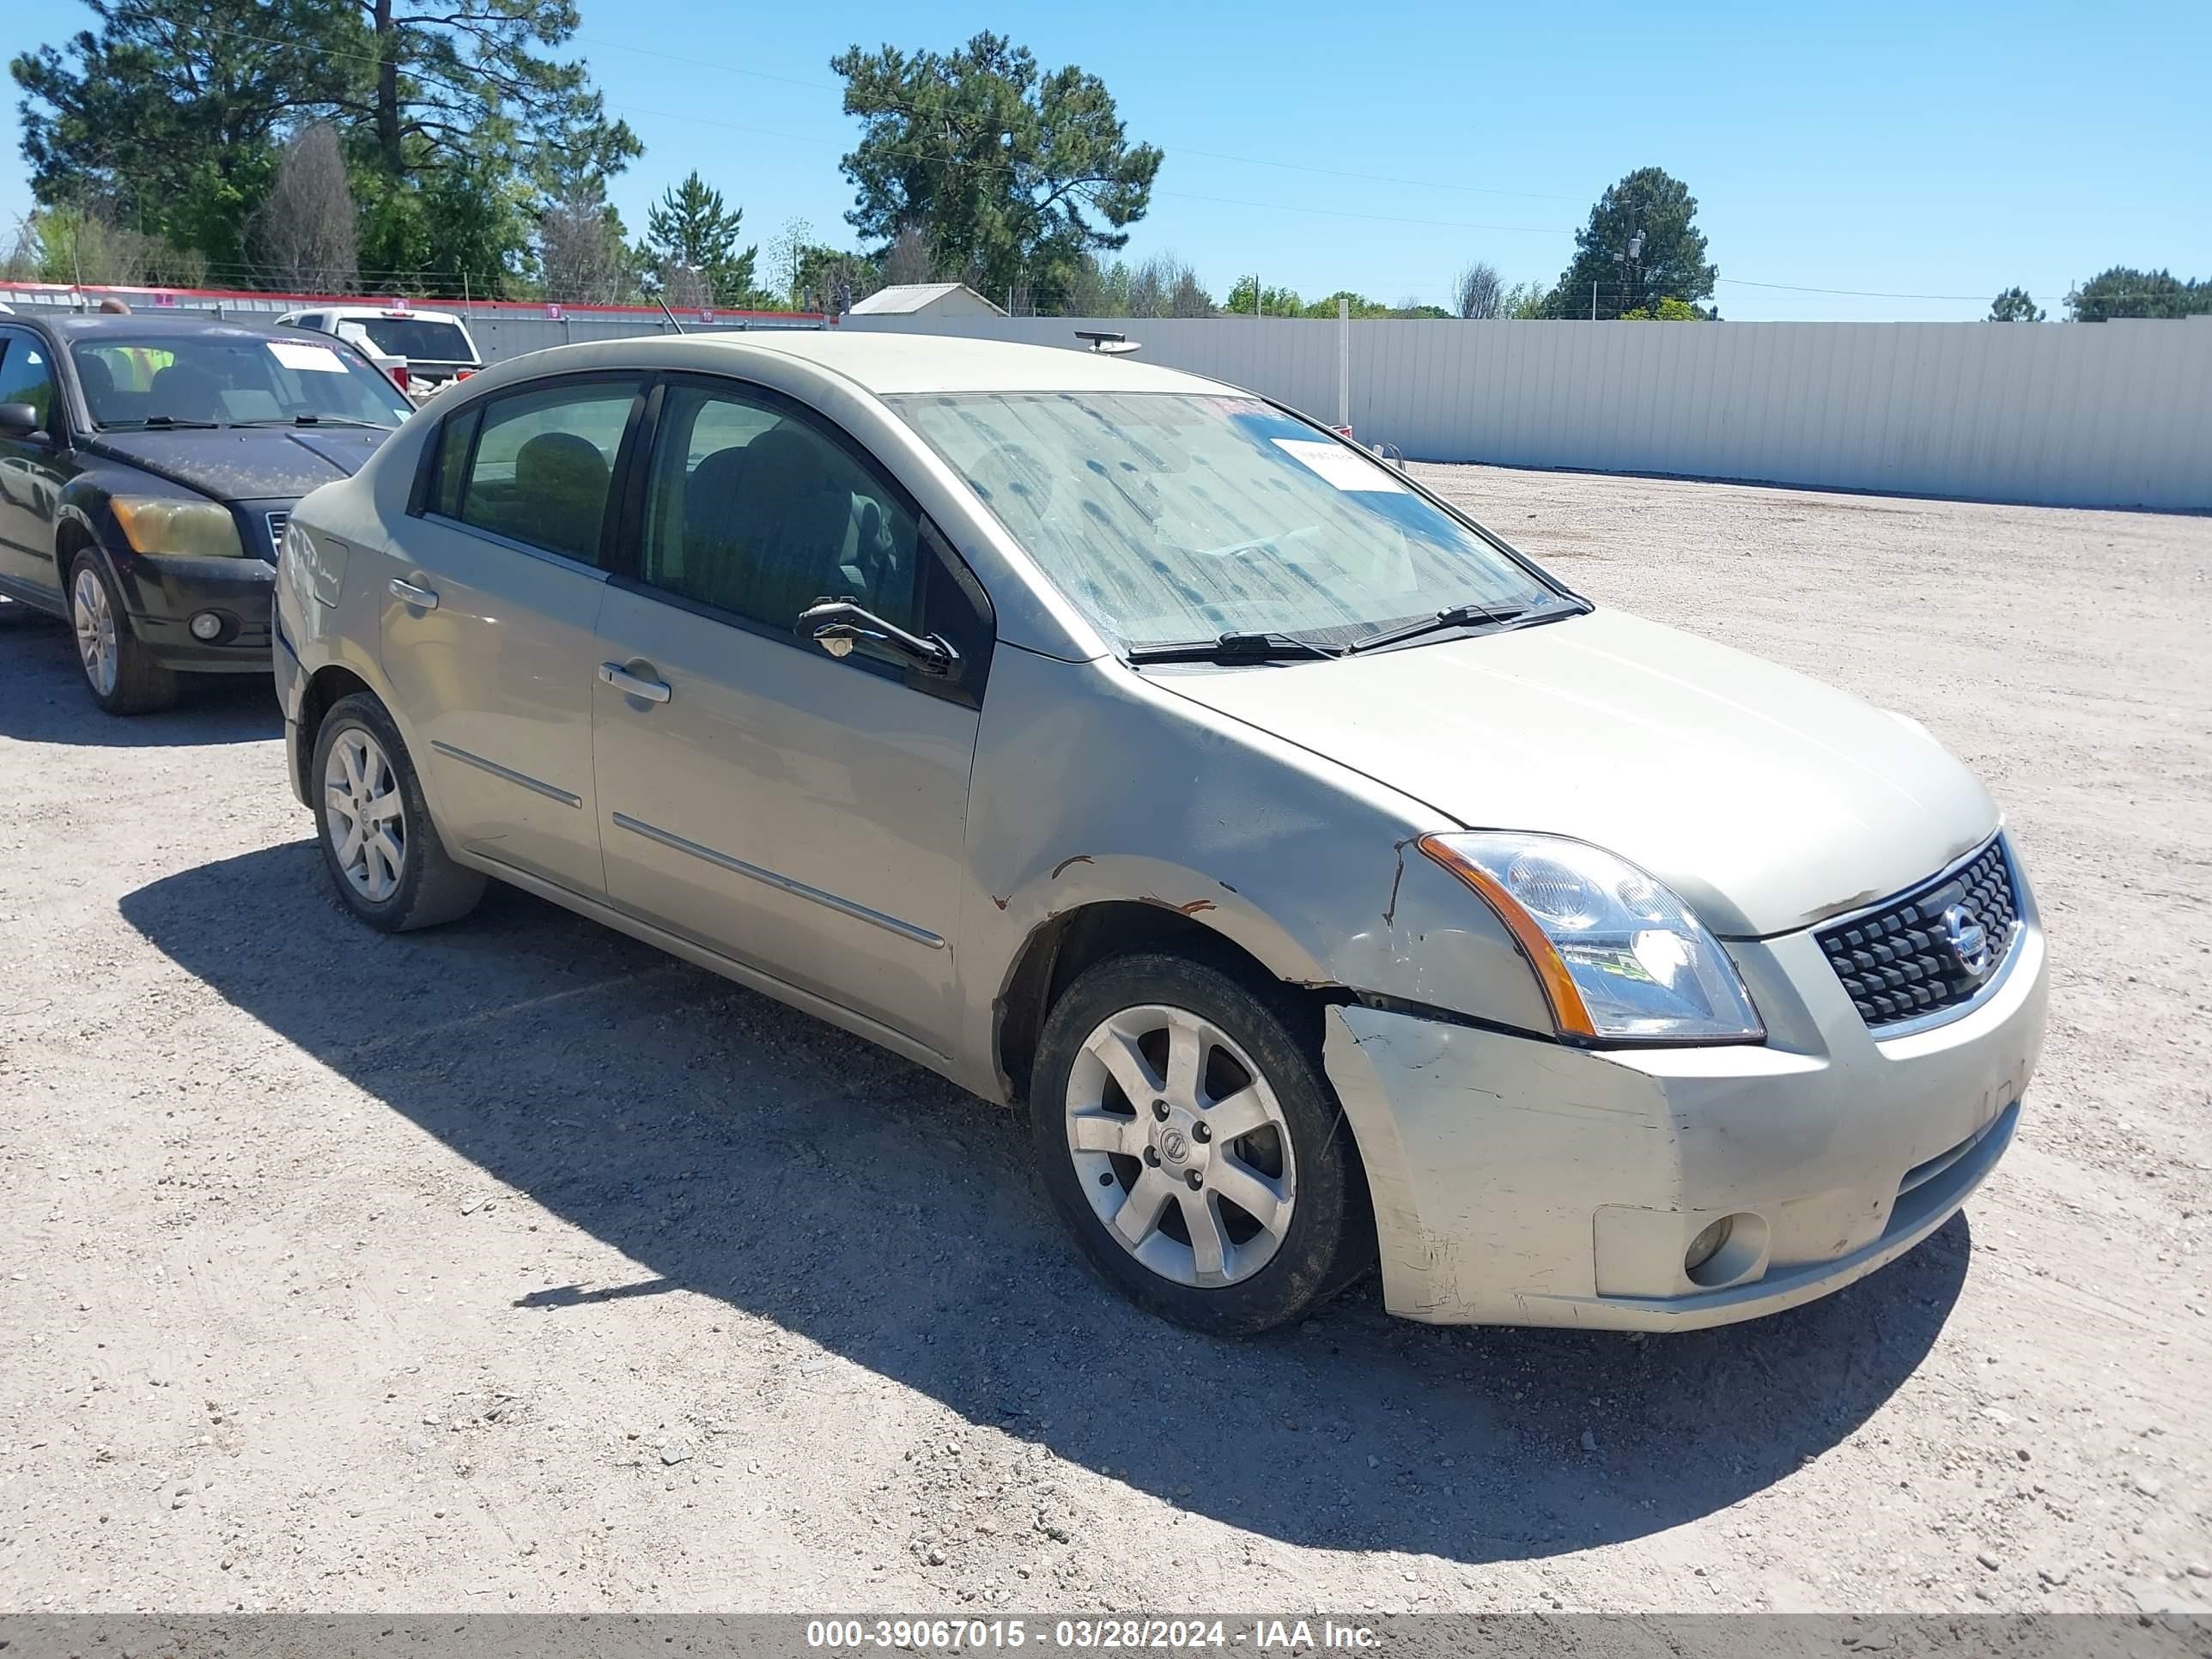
{"x": 421, "y": 598}
{"x": 634, "y": 685}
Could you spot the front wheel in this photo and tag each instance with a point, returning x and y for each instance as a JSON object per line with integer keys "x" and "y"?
{"x": 383, "y": 852}
{"x": 118, "y": 671}
{"x": 1193, "y": 1147}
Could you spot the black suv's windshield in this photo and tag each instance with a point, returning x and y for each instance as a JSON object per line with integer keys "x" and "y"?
{"x": 1170, "y": 518}
{"x": 230, "y": 381}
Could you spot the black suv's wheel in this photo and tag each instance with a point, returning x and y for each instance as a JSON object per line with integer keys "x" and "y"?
{"x": 124, "y": 679}
{"x": 383, "y": 852}
{"x": 1193, "y": 1147}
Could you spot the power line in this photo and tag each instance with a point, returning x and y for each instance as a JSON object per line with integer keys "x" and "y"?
{"x": 1856, "y": 293}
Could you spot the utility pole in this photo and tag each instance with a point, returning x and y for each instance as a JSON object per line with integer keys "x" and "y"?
{"x": 1592, "y": 299}
{"x": 1344, "y": 363}
{"x": 1258, "y": 310}
{"x": 1631, "y": 284}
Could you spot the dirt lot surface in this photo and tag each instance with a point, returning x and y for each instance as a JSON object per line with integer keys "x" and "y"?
{"x": 516, "y": 1266}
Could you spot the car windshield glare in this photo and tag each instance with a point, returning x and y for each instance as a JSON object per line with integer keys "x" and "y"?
{"x": 230, "y": 381}
{"x": 1169, "y": 518}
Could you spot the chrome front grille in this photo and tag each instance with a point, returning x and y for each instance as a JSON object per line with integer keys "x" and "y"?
{"x": 277, "y": 522}
{"x": 1931, "y": 949}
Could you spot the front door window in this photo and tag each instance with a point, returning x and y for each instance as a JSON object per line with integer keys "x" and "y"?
{"x": 757, "y": 512}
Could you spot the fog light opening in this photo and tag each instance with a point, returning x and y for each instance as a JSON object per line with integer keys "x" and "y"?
{"x": 1729, "y": 1251}
{"x": 205, "y": 625}
{"x": 1707, "y": 1245}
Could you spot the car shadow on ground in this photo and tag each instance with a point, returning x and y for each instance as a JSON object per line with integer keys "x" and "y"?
{"x": 744, "y": 1151}
{"x": 44, "y": 698}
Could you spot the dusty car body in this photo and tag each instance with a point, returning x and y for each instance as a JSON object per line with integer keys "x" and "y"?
{"x": 1018, "y": 849}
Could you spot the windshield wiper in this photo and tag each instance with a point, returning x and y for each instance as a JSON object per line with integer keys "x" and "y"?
{"x": 1460, "y": 616}
{"x": 1233, "y": 648}
{"x": 159, "y": 422}
{"x": 314, "y": 420}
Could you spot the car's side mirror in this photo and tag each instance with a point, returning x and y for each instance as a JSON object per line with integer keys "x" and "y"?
{"x": 20, "y": 421}
{"x": 838, "y": 625}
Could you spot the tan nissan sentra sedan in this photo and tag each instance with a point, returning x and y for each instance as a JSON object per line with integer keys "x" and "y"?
{"x": 1329, "y": 881}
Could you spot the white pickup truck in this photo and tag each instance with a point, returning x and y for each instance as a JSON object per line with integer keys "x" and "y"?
{"x": 432, "y": 349}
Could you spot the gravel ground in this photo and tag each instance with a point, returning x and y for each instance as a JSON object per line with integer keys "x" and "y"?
{"x": 515, "y": 1265}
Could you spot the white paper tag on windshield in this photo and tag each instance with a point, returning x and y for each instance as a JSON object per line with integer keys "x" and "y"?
{"x": 1341, "y": 466}
{"x": 314, "y": 358}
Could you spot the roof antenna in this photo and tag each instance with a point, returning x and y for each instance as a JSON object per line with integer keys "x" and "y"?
{"x": 666, "y": 313}
{"x": 1107, "y": 344}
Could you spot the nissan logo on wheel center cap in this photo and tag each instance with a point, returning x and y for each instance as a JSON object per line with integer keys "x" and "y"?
{"x": 1173, "y": 1148}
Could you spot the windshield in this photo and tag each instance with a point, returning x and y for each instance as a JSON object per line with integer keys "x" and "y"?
{"x": 230, "y": 381}
{"x": 1168, "y": 518}
{"x": 422, "y": 339}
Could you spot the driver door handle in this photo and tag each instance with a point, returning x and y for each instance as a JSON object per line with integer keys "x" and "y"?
{"x": 422, "y": 599}
{"x": 634, "y": 685}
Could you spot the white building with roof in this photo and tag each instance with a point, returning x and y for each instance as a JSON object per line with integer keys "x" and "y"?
{"x": 926, "y": 300}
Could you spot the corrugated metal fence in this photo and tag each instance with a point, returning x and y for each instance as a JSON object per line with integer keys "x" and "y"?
{"x": 2081, "y": 415}
{"x": 2086, "y": 414}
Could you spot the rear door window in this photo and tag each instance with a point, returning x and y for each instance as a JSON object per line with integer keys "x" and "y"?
{"x": 543, "y": 465}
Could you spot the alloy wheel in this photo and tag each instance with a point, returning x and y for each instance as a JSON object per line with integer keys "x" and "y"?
{"x": 1181, "y": 1146}
{"x": 364, "y": 815}
{"x": 95, "y": 632}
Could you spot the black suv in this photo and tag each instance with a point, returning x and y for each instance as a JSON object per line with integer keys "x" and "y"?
{"x": 148, "y": 469}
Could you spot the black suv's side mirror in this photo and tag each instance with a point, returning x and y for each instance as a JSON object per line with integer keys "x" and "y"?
{"x": 20, "y": 420}
{"x": 838, "y": 625}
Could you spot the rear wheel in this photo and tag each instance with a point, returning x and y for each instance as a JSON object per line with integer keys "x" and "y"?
{"x": 383, "y": 852}
{"x": 122, "y": 676}
{"x": 1191, "y": 1145}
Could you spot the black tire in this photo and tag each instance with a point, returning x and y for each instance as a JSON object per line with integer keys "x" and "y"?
{"x": 431, "y": 888}
{"x": 1329, "y": 1241}
{"x": 141, "y": 686}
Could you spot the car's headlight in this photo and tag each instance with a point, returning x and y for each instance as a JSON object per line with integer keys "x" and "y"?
{"x": 1619, "y": 957}
{"x": 182, "y": 529}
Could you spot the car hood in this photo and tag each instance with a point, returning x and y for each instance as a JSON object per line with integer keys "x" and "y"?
{"x": 261, "y": 464}
{"x": 1767, "y": 800}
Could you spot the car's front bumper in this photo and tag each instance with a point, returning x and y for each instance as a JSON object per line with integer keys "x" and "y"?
{"x": 163, "y": 595}
{"x": 1523, "y": 1182}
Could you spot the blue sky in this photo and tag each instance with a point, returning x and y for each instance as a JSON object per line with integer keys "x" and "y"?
{"x": 1944, "y": 149}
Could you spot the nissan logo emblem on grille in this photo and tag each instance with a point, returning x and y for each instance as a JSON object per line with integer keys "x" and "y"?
{"x": 1968, "y": 938}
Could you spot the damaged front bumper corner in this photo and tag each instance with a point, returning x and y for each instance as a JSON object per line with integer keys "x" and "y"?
{"x": 1520, "y": 1182}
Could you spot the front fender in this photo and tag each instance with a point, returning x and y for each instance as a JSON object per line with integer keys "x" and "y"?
{"x": 85, "y": 505}
{"x": 1083, "y": 878}
{"x": 1093, "y": 785}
